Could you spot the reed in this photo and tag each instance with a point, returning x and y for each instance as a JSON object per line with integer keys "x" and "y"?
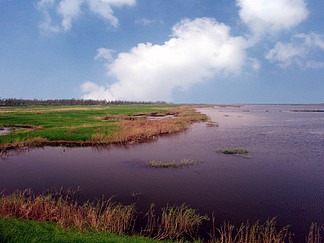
{"x": 250, "y": 233}
{"x": 95, "y": 216}
{"x": 178, "y": 223}
{"x": 19, "y": 143}
{"x": 316, "y": 234}
{"x": 174, "y": 223}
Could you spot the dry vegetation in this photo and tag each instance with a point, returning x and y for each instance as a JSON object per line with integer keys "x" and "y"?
{"x": 100, "y": 216}
{"x": 265, "y": 233}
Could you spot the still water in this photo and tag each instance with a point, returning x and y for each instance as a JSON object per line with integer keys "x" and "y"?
{"x": 284, "y": 177}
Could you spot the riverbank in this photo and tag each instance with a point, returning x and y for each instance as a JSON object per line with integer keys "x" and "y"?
{"x": 93, "y": 125}
{"x": 25, "y": 216}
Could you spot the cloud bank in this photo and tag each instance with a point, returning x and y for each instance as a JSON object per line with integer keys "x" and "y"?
{"x": 197, "y": 50}
{"x": 70, "y": 10}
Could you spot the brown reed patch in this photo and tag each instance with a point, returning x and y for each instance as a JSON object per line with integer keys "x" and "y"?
{"x": 99, "y": 216}
{"x": 31, "y": 142}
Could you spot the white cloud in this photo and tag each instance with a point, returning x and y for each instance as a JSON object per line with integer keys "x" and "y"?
{"x": 197, "y": 50}
{"x": 271, "y": 16}
{"x": 104, "y": 53}
{"x": 69, "y": 10}
{"x": 285, "y": 53}
{"x": 297, "y": 51}
{"x": 146, "y": 21}
{"x": 95, "y": 91}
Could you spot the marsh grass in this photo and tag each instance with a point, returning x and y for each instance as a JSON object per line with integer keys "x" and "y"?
{"x": 235, "y": 151}
{"x": 258, "y": 233}
{"x": 89, "y": 216}
{"x": 238, "y": 152}
{"x": 175, "y": 223}
{"x": 316, "y": 234}
{"x": 212, "y": 124}
{"x": 172, "y": 164}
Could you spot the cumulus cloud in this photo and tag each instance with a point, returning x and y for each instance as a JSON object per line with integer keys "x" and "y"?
{"x": 69, "y": 10}
{"x": 197, "y": 50}
{"x": 272, "y": 16}
{"x": 297, "y": 51}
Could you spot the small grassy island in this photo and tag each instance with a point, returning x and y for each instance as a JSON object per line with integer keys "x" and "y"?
{"x": 92, "y": 125}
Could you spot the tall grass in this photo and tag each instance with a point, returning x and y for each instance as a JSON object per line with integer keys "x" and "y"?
{"x": 100, "y": 216}
{"x": 316, "y": 234}
{"x": 250, "y": 233}
{"x": 175, "y": 223}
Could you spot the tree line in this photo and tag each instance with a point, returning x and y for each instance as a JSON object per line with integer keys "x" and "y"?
{"x": 19, "y": 102}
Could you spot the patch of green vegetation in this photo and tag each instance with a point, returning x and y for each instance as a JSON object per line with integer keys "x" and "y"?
{"x": 307, "y": 110}
{"x": 68, "y": 123}
{"x": 18, "y": 230}
{"x": 55, "y": 134}
{"x": 239, "y": 152}
{"x": 172, "y": 164}
{"x": 1, "y": 126}
{"x": 235, "y": 151}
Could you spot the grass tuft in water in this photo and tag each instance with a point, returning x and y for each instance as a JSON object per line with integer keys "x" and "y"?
{"x": 172, "y": 164}
{"x": 212, "y": 124}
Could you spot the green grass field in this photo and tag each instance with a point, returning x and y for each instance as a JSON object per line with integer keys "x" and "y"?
{"x": 97, "y": 123}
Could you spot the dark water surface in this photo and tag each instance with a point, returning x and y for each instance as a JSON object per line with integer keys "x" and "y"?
{"x": 284, "y": 176}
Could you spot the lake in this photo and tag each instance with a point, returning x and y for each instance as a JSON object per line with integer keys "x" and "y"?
{"x": 283, "y": 178}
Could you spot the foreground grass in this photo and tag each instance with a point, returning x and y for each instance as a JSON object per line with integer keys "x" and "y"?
{"x": 18, "y": 230}
{"x": 25, "y": 217}
{"x": 91, "y": 125}
{"x": 174, "y": 223}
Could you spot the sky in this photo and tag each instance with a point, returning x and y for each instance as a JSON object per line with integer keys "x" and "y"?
{"x": 182, "y": 51}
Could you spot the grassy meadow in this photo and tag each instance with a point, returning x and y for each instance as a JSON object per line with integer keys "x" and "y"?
{"x": 91, "y": 125}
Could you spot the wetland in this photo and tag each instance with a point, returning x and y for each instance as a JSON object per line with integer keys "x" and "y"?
{"x": 283, "y": 176}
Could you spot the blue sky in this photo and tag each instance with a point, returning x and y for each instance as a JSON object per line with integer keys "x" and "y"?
{"x": 191, "y": 51}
